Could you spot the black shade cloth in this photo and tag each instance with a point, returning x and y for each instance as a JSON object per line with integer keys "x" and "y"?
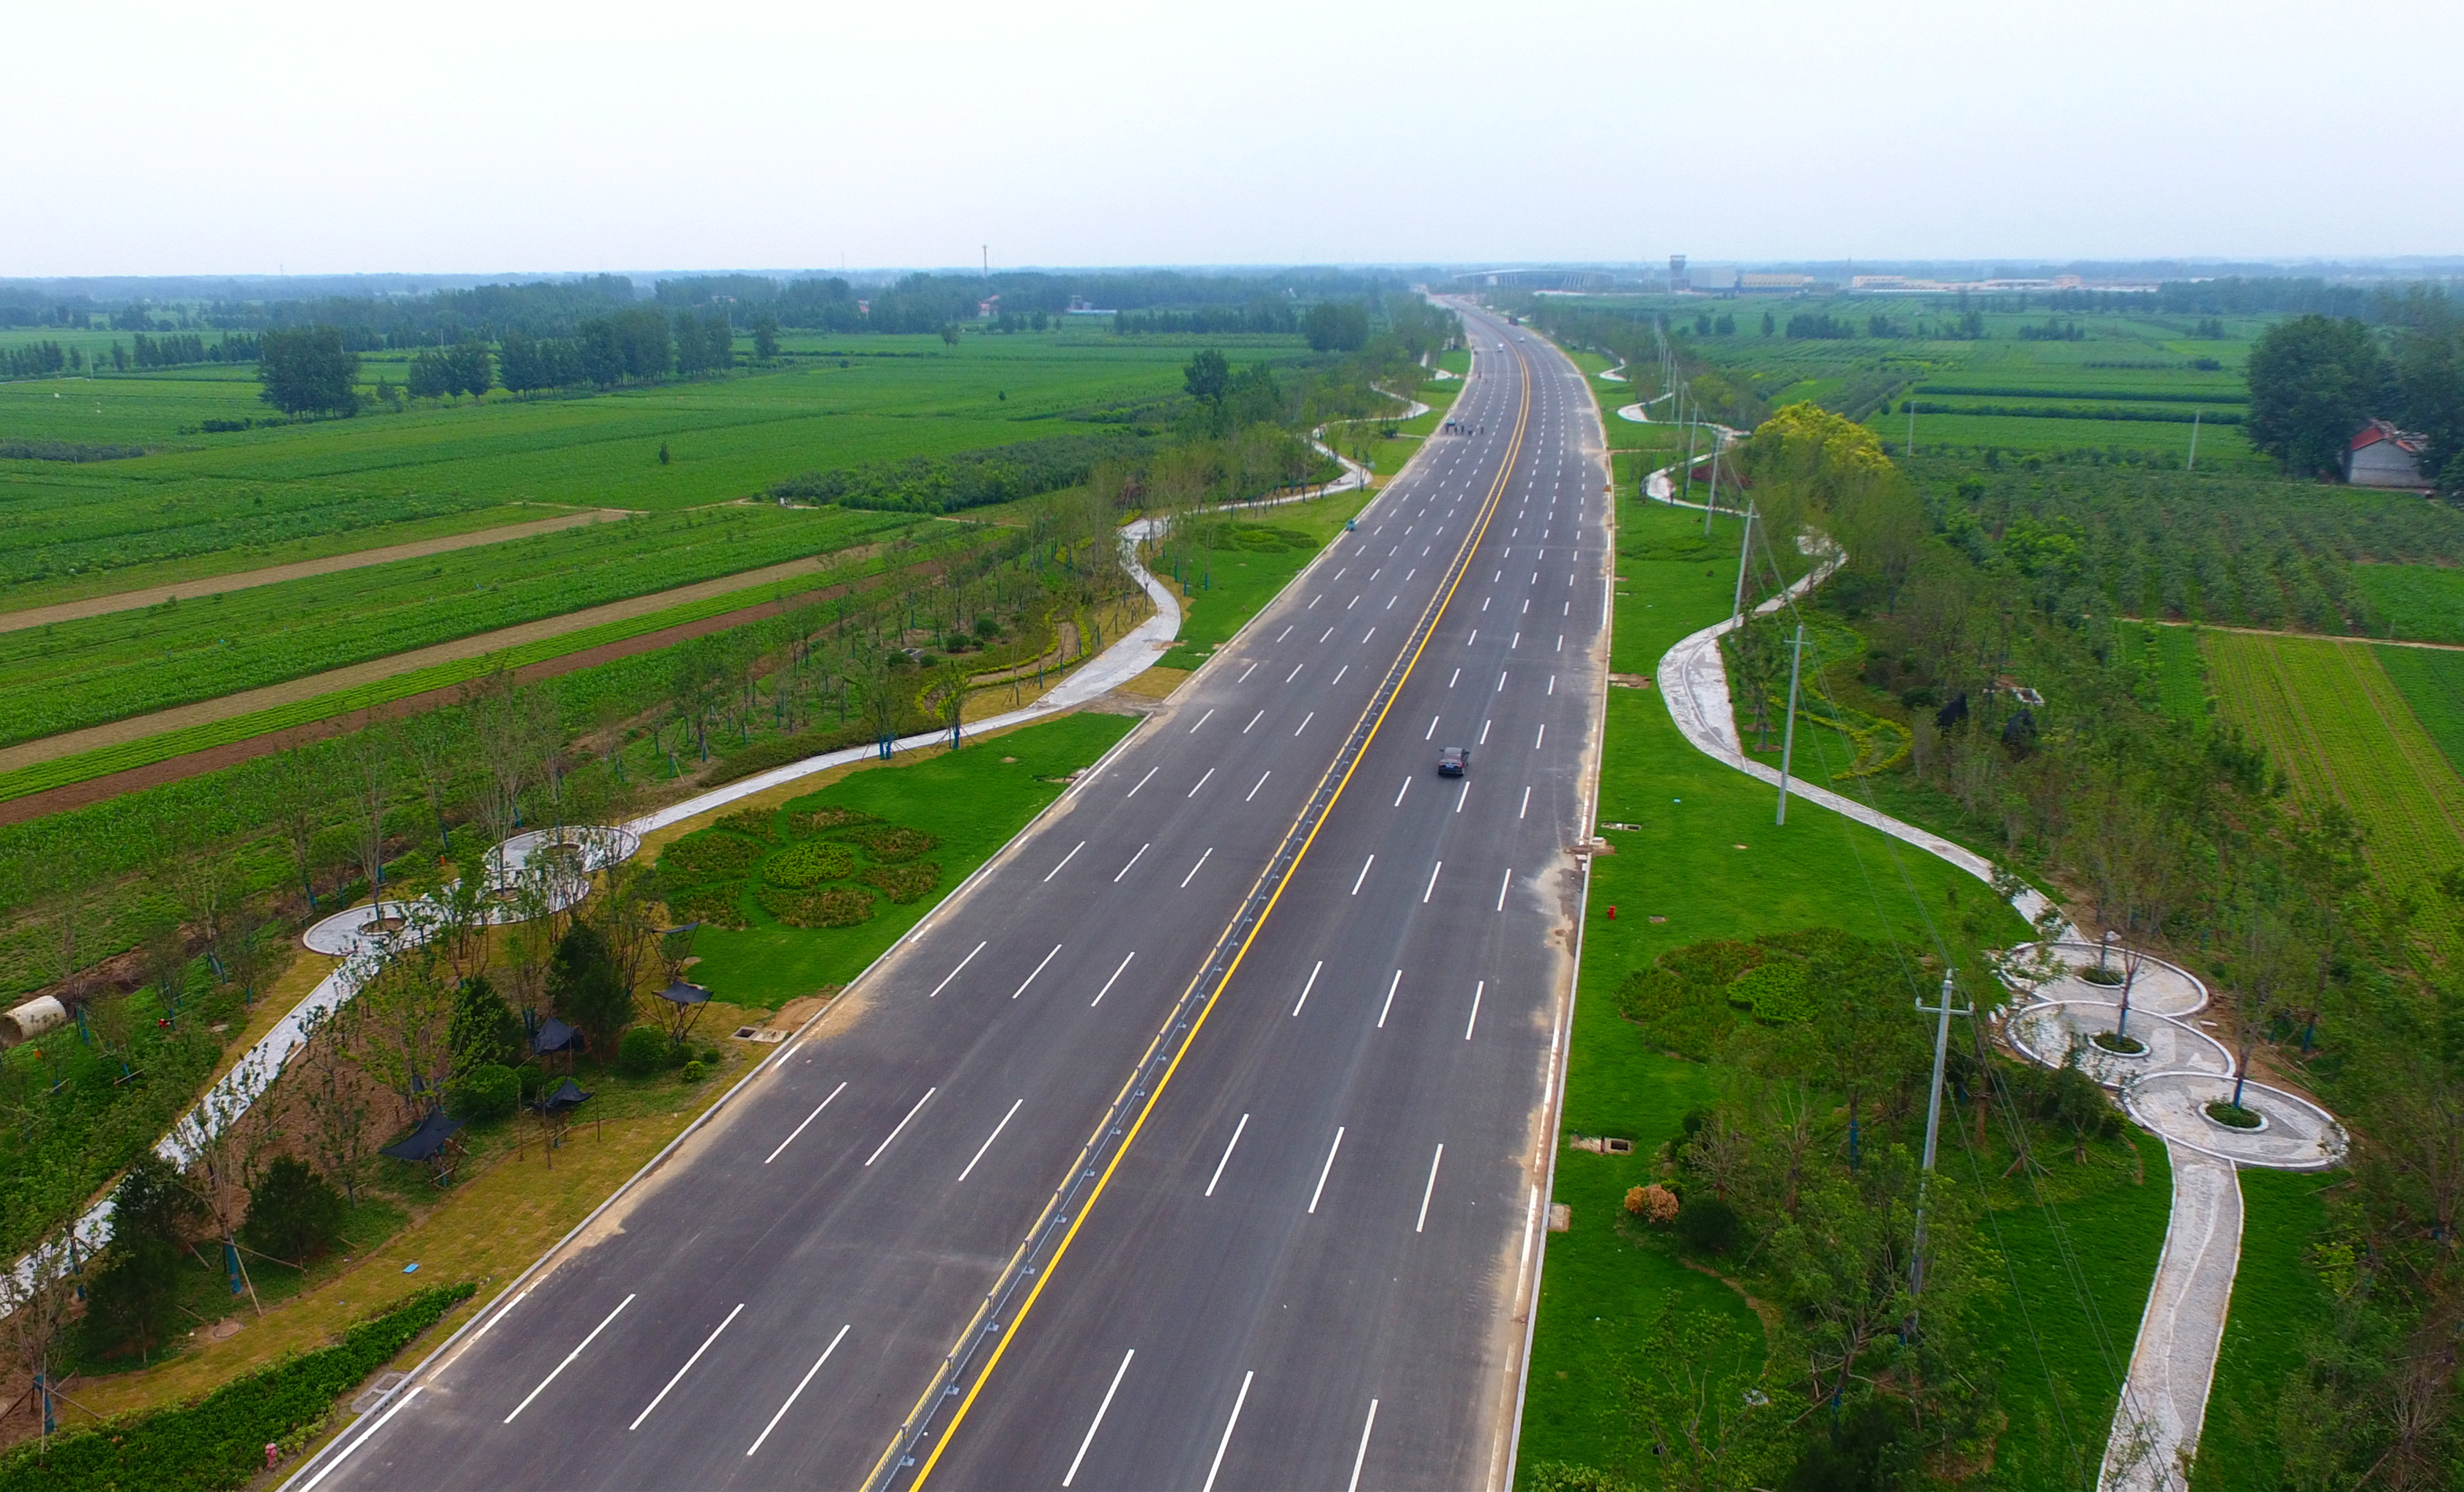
{"x": 683, "y": 993}
{"x": 424, "y": 1142}
{"x": 555, "y": 1035}
{"x": 567, "y": 1094}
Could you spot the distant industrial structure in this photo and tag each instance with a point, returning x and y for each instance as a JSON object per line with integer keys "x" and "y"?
{"x": 1677, "y": 277}
{"x": 1903, "y": 286}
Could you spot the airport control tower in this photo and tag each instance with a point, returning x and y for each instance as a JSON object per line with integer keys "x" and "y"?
{"x": 1677, "y": 280}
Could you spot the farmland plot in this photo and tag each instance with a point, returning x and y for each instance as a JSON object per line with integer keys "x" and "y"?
{"x": 2338, "y": 727}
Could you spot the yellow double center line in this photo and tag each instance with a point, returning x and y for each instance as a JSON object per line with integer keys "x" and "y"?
{"x": 1375, "y": 715}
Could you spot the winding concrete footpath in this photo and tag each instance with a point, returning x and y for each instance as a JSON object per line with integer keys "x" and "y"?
{"x": 2172, "y": 1364}
{"x": 348, "y": 934}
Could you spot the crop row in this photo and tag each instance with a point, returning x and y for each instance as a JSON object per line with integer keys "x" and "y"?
{"x": 2150, "y": 396}
{"x": 105, "y": 668}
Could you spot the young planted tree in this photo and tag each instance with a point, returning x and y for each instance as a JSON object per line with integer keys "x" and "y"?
{"x": 402, "y": 1027}
{"x": 132, "y": 1300}
{"x": 588, "y": 988}
{"x": 338, "y": 1119}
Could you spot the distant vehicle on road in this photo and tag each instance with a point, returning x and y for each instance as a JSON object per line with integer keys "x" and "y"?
{"x": 1453, "y": 760}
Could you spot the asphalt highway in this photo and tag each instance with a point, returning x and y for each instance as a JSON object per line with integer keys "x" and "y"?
{"x": 1199, "y": 1142}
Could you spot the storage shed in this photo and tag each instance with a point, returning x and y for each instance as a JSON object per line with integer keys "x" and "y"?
{"x": 2382, "y": 456}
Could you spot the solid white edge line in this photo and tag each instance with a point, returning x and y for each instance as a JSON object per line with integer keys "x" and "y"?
{"x": 1433, "y": 883}
{"x": 1108, "y": 983}
{"x": 799, "y": 1392}
{"x": 1429, "y": 1190}
{"x": 902, "y": 1124}
{"x": 568, "y": 1358}
{"x": 1362, "y": 1455}
{"x": 1039, "y": 969}
{"x": 364, "y": 1437}
{"x": 687, "y": 1368}
{"x": 1133, "y": 859}
{"x": 1327, "y": 1170}
{"x": 1364, "y": 874}
{"x": 1315, "y": 971}
{"x": 990, "y": 1138}
{"x": 1477, "y": 990}
{"x": 1065, "y": 860}
{"x": 1100, "y": 1411}
{"x": 1237, "y": 1130}
{"x": 499, "y": 1316}
{"x": 1226, "y": 1444}
{"x": 953, "y": 973}
{"x": 799, "y": 1128}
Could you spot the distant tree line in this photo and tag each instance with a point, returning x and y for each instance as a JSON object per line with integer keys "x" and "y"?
{"x": 632, "y": 347}
{"x": 38, "y": 359}
{"x": 177, "y": 348}
{"x": 1210, "y": 321}
{"x": 970, "y": 478}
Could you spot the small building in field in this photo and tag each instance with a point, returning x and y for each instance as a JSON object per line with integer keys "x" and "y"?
{"x": 2382, "y": 456}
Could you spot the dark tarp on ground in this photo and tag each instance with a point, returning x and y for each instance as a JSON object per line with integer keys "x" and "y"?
{"x": 424, "y": 1142}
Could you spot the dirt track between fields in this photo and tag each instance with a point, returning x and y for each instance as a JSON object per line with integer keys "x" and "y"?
{"x": 276, "y": 574}
{"x": 95, "y": 790}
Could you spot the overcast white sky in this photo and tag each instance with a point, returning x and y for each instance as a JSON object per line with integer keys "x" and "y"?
{"x": 243, "y": 136}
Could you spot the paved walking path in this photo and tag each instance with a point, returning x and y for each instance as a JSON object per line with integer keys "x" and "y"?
{"x": 2167, "y": 1089}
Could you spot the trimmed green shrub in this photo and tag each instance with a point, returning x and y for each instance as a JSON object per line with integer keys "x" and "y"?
{"x": 1709, "y": 1225}
{"x": 904, "y": 882}
{"x": 218, "y": 1443}
{"x": 829, "y": 906}
{"x": 642, "y": 1052}
{"x": 294, "y": 1214}
{"x": 532, "y": 1079}
{"x": 1560, "y": 1476}
{"x": 809, "y": 863}
{"x": 692, "y": 1072}
{"x": 889, "y": 843}
{"x": 709, "y": 855}
{"x": 761, "y": 823}
{"x": 487, "y": 1093}
{"x": 716, "y": 906}
{"x": 1775, "y": 992}
{"x": 832, "y": 816}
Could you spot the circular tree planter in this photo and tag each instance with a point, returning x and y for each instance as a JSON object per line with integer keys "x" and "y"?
{"x": 2115, "y": 1044}
{"x": 2109, "y": 978}
{"x": 2224, "y": 1115}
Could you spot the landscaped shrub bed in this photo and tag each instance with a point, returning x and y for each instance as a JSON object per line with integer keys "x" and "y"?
{"x": 824, "y": 906}
{"x": 1691, "y": 997}
{"x": 219, "y": 1442}
{"x": 888, "y": 844}
{"x": 809, "y": 863}
{"x": 904, "y": 882}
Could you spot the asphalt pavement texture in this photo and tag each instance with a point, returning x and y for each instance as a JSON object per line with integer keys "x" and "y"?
{"x": 1198, "y": 1143}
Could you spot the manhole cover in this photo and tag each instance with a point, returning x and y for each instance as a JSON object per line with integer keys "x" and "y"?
{"x": 376, "y": 1392}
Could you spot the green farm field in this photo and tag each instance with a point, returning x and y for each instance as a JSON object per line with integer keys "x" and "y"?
{"x": 2432, "y": 681}
{"x": 2338, "y": 726}
{"x": 94, "y": 670}
{"x": 2421, "y": 602}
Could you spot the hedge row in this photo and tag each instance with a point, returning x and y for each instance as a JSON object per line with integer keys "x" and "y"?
{"x": 2056, "y": 412}
{"x": 219, "y": 1442}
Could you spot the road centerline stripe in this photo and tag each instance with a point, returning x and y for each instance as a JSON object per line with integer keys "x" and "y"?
{"x": 799, "y": 1128}
{"x": 1237, "y": 1130}
{"x": 990, "y": 1138}
{"x": 687, "y": 1368}
{"x": 568, "y": 1358}
{"x": 894, "y": 1133}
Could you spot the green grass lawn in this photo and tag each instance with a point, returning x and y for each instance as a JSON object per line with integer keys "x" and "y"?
{"x": 1679, "y": 862}
{"x": 2278, "y": 1300}
{"x": 971, "y": 800}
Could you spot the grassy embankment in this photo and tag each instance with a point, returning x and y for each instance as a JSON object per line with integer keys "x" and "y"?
{"x": 1605, "y": 1280}
{"x": 514, "y": 1198}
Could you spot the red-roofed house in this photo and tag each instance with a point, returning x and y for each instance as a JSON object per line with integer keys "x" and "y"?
{"x": 2383, "y": 456}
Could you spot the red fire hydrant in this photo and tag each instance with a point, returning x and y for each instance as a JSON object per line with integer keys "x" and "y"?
{"x": 1613, "y": 912}
{"x": 272, "y": 1454}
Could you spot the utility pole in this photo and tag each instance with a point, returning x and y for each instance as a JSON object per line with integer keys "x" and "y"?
{"x": 1689, "y": 458}
{"x": 1788, "y": 731}
{"x": 2193, "y": 464}
{"x": 1912, "y": 426}
{"x": 1745, "y": 552}
{"x": 1933, "y": 1118}
{"x": 1711, "y": 499}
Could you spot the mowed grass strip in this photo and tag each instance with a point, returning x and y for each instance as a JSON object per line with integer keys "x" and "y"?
{"x": 95, "y": 670}
{"x": 2432, "y": 681}
{"x": 2337, "y": 726}
{"x": 2277, "y": 1301}
{"x": 2421, "y": 602}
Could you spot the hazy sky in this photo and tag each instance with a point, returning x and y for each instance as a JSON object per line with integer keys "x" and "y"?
{"x": 239, "y": 136}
